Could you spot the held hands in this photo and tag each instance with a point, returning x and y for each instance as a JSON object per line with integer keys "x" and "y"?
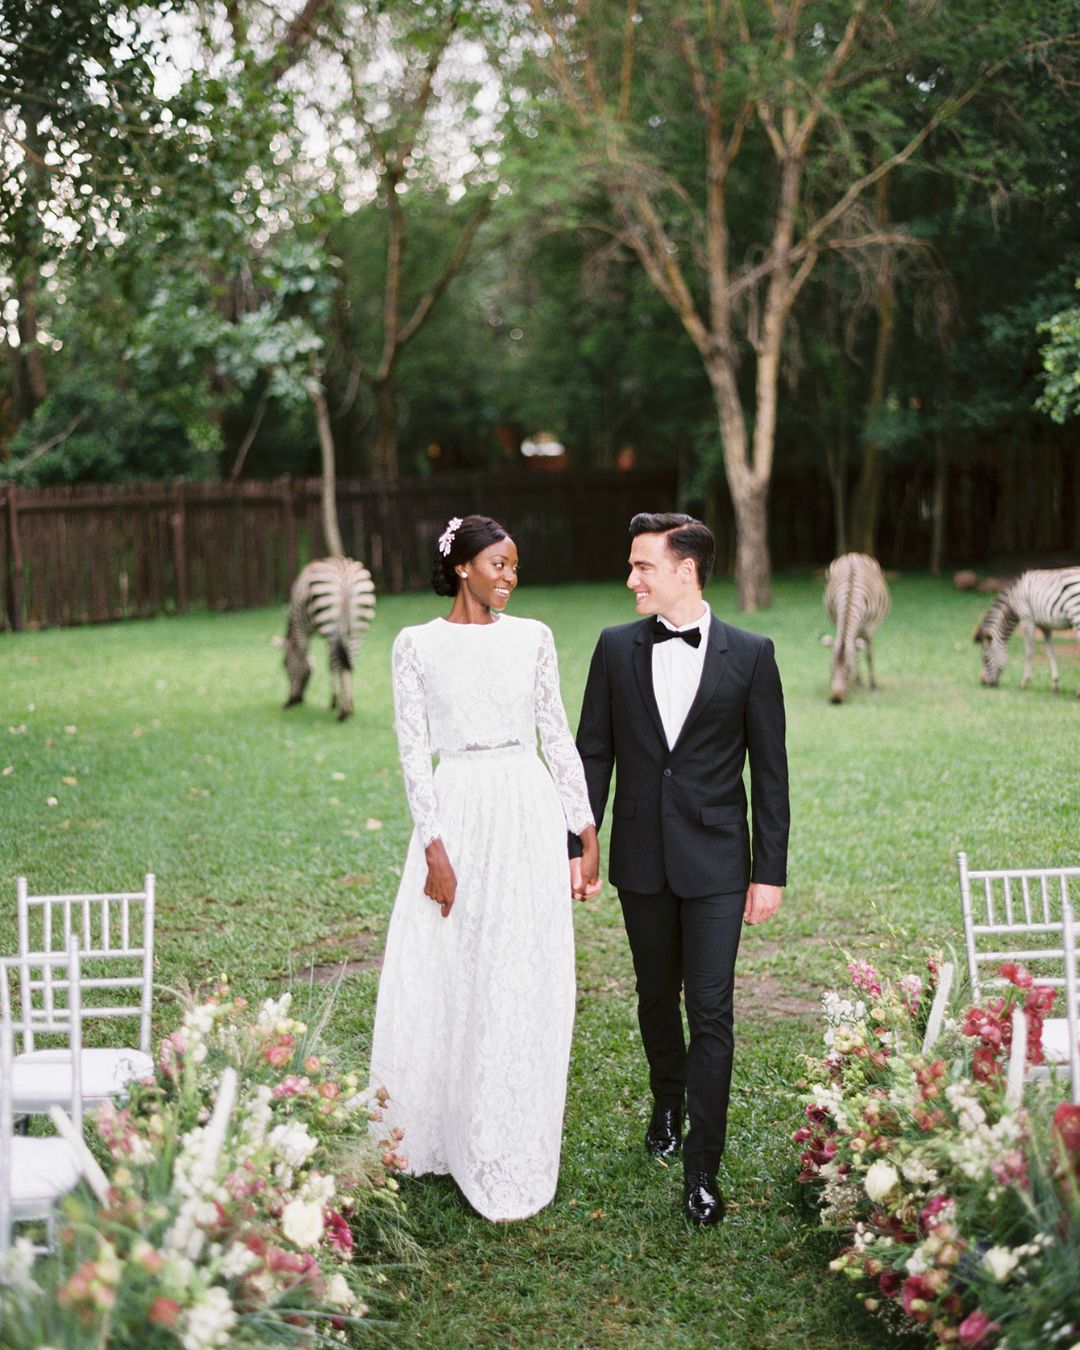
{"x": 441, "y": 884}
{"x": 762, "y": 902}
{"x": 585, "y": 871}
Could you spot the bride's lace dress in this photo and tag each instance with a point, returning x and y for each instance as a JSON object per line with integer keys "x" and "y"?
{"x": 475, "y": 1011}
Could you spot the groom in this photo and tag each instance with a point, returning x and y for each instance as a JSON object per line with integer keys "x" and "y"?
{"x": 675, "y": 704}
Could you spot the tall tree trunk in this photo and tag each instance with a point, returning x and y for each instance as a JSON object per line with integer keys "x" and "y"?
{"x": 384, "y": 452}
{"x": 749, "y": 491}
{"x": 753, "y": 568}
{"x": 331, "y": 532}
{"x": 940, "y": 500}
{"x": 866, "y": 501}
{"x": 836, "y": 462}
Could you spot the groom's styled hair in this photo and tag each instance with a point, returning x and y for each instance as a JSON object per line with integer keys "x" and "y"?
{"x": 686, "y": 537}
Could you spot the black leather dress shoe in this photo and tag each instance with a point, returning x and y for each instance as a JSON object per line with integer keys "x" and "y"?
{"x": 663, "y": 1138}
{"x": 703, "y": 1202}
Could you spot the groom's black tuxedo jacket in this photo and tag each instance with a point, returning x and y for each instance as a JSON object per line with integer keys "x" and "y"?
{"x": 679, "y": 814}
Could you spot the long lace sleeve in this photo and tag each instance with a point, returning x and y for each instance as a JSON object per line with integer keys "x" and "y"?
{"x": 559, "y": 750}
{"x": 414, "y": 743}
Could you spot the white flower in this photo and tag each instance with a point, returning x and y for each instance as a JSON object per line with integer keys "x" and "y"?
{"x": 338, "y": 1292}
{"x": 446, "y": 539}
{"x": 179, "y": 1272}
{"x": 917, "y": 1172}
{"x": 15, "y": 1267}
{"x": 1000, "y": 1261}
{"x": 917, "y": 1264}
{"x": 302, "y": 1223}
{"x": 209, "y": 1322}
{"x": 294, "y": 1143}
{"x": 274, "y": 1010}
{"x": 237, "y": 1261}
{"x": 880, "y": 1180}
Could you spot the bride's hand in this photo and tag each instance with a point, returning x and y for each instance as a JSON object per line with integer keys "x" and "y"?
{"x": 586, "y": 877}
{"x": 441, "y": 884}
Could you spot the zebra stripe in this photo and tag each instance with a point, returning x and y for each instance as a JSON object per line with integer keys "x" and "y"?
{"x": 856, "y": 601}
{"x": 334, "y": 597}
{"x": 1043, "y": 599}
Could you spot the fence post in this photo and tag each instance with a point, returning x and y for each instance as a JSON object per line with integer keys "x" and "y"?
{"x": 288, "y": 516}
{"x": 177, "y": 521}
{"x": 15, "y": 594}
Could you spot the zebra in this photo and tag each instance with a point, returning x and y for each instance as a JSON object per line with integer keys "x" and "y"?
{"x": 336, "y": 597}
{"x": 1037, "y": 599}
{"x": 856, "y": 600}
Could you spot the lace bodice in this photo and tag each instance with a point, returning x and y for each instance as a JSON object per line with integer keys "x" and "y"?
{"x": 463, "y": 688}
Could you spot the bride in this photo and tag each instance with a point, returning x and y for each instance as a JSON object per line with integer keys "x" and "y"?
{"x": 476, "y": 999}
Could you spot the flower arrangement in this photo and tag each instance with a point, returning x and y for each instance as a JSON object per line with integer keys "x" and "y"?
{"x": 220, "y": 1227}
{"x": 960, "y": 1213}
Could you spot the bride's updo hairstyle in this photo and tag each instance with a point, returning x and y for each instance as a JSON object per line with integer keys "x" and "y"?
{"x": 461, "y": 541}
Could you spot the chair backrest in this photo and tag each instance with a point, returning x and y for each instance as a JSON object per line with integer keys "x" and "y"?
{"x": 115, "y": 933}
{"x": 65, "y": 1017}
{"x": 1017, "y": 914}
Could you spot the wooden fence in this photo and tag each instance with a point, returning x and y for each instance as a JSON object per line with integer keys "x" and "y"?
{"x": 90, "y": 553}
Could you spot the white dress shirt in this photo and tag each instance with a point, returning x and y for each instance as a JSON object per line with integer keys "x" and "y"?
{"x": 676, "y": 673}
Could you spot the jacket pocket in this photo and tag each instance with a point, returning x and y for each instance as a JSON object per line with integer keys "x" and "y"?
{"x": 623, "y": 807}
{"x": 731, "y": 813}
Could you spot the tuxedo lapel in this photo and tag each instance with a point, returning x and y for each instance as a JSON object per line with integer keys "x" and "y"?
{"x": 643, "y": 649}
{"x": 711, "y": 673}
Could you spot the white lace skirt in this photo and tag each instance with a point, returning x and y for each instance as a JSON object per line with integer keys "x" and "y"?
{"x": 475, "y": 1011}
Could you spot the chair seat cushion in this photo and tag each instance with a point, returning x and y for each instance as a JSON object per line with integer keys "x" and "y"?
{"x": 42, "y": 1170}
{"x": 1055, "y": 1040}
{"x": 41, "y": 1078}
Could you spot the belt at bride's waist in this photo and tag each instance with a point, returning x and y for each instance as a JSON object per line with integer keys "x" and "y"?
{"x": 471, "y": 753}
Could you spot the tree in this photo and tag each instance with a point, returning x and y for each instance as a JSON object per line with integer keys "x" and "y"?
{"x": 1060, "y": 353}
{"x": 416, "y": 106}
{"x": 77, "y": 114}
{"x": 791, "y": 130}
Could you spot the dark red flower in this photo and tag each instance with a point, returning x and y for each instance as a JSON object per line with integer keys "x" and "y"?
{"x": 918, "y": 1297}
{"x": 1067, "y": 1128}
{"x": 1016, "y": 974}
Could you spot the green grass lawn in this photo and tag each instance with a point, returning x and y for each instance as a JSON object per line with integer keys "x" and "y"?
{"x": 277, "y": 839}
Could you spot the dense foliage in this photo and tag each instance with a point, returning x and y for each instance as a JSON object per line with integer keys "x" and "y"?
{"x": 212, "y": 214}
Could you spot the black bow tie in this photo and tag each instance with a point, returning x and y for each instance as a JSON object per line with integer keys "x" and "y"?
{"x": 661, "y": 633}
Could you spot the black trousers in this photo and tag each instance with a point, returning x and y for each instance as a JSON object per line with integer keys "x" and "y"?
{"x": 689, "y": 946}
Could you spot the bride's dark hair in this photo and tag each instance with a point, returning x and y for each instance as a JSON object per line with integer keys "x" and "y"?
{"x": 471, "y": 537}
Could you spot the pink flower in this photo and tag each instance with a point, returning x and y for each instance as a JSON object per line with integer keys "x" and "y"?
{"x": 911, "y": 993}
{"x": 164, "y": 1312}
{"x": 291, "y": 1085}
{"x": 934, "y": 1211}
{"x": 865, "y": 977}
{"x": 338, "y": 1232}
{"x": 312, "y": 1063}
{"x": 279, "y": 1054}
{"x": 977, "y": 1331}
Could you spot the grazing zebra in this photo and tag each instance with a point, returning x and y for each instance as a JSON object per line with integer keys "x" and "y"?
{"x": 856, "y": 600}
{"x": 336, "y": 597}
{"x": 1038, "y": 599}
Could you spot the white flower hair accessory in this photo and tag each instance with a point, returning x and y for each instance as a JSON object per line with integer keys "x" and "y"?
{"x": 446, "y": 539}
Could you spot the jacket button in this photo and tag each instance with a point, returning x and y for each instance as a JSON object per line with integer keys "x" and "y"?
{"x": 667, "y": 773}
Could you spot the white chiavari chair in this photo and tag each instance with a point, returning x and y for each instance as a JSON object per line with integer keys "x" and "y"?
{"x": 1026, "y": 915}
{"x": 36, "y": 1172}
{"x": 115, "y": 933}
